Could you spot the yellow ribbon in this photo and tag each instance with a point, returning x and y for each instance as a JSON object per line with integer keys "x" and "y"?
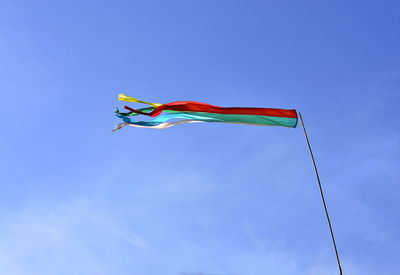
{"x": 123, "y": 97}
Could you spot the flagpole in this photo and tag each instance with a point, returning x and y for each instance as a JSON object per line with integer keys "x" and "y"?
{"x": 322, "y": 195}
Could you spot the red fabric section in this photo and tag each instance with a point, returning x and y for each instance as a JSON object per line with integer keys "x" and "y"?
{"x": 192, "y": 106}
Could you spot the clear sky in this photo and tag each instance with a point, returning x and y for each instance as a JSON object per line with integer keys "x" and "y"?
{"x": 76, "y": 198}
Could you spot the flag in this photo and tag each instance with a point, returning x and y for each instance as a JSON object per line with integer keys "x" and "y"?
{"x": 162, "y": 116}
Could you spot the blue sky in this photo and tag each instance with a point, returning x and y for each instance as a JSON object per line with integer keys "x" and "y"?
{"x": 76, "y": 198}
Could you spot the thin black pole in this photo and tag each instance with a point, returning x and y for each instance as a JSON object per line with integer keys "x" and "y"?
{"x": 322, "y": 195}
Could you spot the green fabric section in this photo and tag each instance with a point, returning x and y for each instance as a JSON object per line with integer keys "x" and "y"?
{"x": 251, "y": 119}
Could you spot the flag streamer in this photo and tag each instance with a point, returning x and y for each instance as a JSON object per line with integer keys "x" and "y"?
{"x": 123, "y": 97}
{"x": 180, "y": 112}
{"x": 163, "y": 125}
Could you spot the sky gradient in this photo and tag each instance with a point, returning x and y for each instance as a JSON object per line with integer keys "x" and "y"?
{"x": 76, "y": 198}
